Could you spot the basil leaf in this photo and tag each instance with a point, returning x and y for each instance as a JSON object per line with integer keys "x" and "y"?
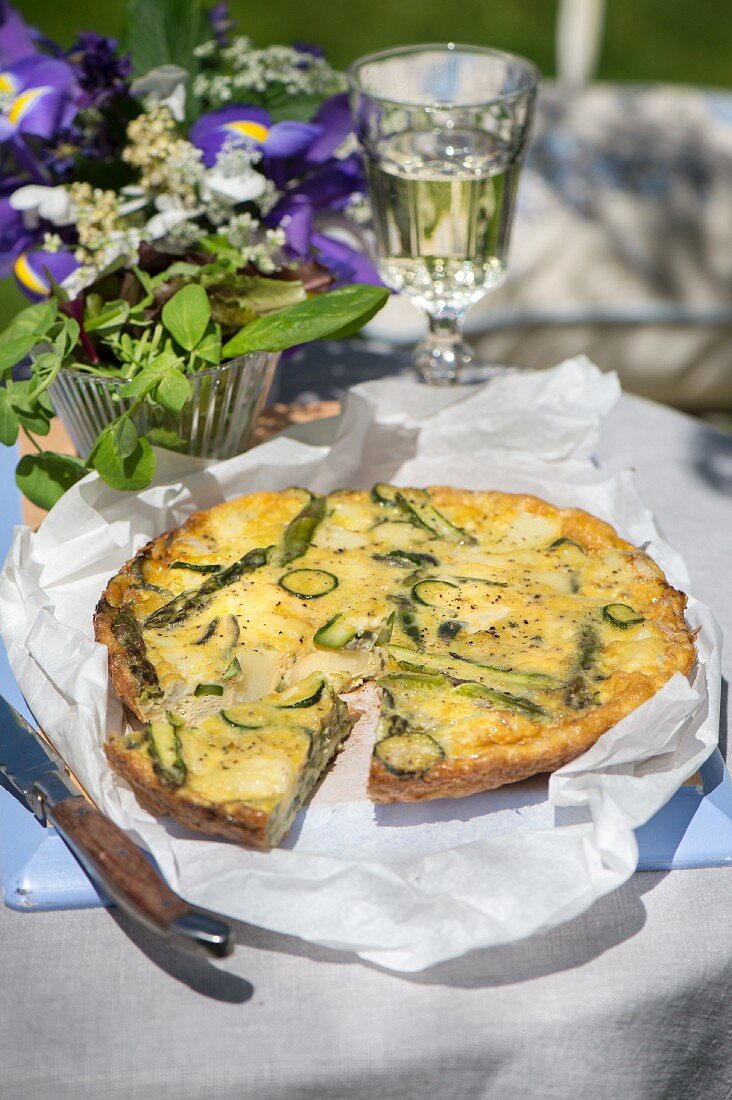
{"x": 134, "y": 471}
{"x": 8, "y": 420}
{"x": 319, "y": 317}
{"x": 186, "y": 315}
{"x": 172, "y": 391}
{"x": 44, "y": 477}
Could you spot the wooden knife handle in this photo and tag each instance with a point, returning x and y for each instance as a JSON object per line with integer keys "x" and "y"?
{"x": 123, "y": 872}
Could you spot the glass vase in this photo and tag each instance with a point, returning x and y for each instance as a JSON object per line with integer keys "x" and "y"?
{"x": 216, "y": 421}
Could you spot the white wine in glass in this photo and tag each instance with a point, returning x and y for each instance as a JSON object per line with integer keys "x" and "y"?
{"x": 442, "y": 173}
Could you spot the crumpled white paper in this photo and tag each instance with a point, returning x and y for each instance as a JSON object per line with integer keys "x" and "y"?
{"x": 403, "y": 886}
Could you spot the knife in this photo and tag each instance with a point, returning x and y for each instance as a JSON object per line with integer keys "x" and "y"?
{"x": 36, "y": 772}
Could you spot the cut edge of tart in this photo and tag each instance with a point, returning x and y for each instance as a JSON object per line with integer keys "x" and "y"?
{"x": 504, "y": 635}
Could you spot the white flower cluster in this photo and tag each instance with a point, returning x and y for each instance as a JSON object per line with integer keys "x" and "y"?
{"x": 263, "y": 250}
{"x": 254, "y": 71}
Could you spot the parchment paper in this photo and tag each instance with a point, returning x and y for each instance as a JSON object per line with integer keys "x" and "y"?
{"x": 403, "y": 886}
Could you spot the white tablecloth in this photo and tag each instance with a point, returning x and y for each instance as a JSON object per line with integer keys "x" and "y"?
{"x": 629, "y": 1001}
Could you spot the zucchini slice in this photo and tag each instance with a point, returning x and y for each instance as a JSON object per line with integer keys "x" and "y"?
{"x": 385, "y": 494}
{"x": 336, "y": 633}
{"x": 308, "y": 584}
{"x": 306, "y": 693}
{"x": 165, "y": 750}
{"x": 246, "y": 716}
{"x": 197, "y": 566}
{"x": 567, "y": 542}
{"x": 208, "y": 689}
{"x": 460, "y": 668}
{"x": 140, "y": 570}
{"x": 501, "y": 699}
{"x": 207, "y": 632}
{"x": 233, "y": 670}
{"x": 423, "y": 514}
{"x": 408, "y": 754}
{"x": 221, "y": 635}
{"x": 621, "y": 616}
{"x": 434, "y": 593}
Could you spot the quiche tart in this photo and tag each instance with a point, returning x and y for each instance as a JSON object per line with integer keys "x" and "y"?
{"x": 503, "y": 635}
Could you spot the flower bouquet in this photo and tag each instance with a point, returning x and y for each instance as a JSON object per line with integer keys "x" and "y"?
{"x": 177, "y": 226}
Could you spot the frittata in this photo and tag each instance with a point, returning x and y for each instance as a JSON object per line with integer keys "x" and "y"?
{"x": 504, "y": 636}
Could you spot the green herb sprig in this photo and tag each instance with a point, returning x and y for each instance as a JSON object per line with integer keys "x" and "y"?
{"x": 156, "y": 332}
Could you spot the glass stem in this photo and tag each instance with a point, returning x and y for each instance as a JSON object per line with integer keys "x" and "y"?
{"x": 442, "y": 354}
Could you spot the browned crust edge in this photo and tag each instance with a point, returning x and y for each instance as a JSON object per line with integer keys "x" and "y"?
{"x": 240, "y": 822}
{"x": 500, "y": 765}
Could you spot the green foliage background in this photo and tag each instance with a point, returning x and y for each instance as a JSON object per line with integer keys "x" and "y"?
{"x": 645, "y": 40}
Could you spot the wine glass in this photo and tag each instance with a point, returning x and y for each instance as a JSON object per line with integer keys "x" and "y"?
{"x": 443, "y": 129}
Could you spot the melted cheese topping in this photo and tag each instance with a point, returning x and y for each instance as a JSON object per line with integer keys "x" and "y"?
{"x": 502, "y": 592}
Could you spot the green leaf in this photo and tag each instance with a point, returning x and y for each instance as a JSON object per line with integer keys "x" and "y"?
{"x": 209, "y": 348}
{"x": 36, "y": 319}
{"x": 180, "y": 267}
{"x": 125, "y": 437}
{"x": 150, "y": 375}
{"x": 14, "y": 351}
{"x": 172, "y": 391}
{"x": 8, "y": 420}
{"x": 35, "y": 420}
{"x": 112, "y": 316}
{"x": 164, "y": 32}
{"x": 220, "y": 246}
{"x": 250, "y": 294}
{"x": 133, "y": 472}
{"x": 25, "y": 330}
{"x": 321, "y": 316}
{"x": 45, "y": 477}
{"x": 66, "y": 338}
{"x": 187, "y": 314}
{"x": 166, "y": 437}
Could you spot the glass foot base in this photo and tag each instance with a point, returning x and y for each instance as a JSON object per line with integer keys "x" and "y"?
{"x": 450, "y": 362}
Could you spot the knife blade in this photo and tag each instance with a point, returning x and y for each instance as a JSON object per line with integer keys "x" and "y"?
{"x": 37, "y": 773}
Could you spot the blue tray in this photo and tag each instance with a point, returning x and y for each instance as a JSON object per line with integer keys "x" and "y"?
{"x": 694, "y": 829}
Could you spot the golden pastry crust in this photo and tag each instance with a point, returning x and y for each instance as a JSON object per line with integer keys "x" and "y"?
{"x": 239, "y": 822}
{"x": 516, "y": 538}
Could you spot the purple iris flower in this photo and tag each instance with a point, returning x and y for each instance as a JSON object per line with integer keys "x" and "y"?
{"x": 31, "y": 269}
{"x": 221, "y": 22}
{"x": 246, "y": 125}
{"x": 347, "y": 264}
{"x": 40, "y": 97}
{"x": 327, "y": 188}
{"x": 334, "y": 116}
{"x": 100, "y": 72}
{"x": 308, "y": 49}
{"x": 14, "y": 237}
{"x": 16, "y": 39}
{"x": 331, "y": 185}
